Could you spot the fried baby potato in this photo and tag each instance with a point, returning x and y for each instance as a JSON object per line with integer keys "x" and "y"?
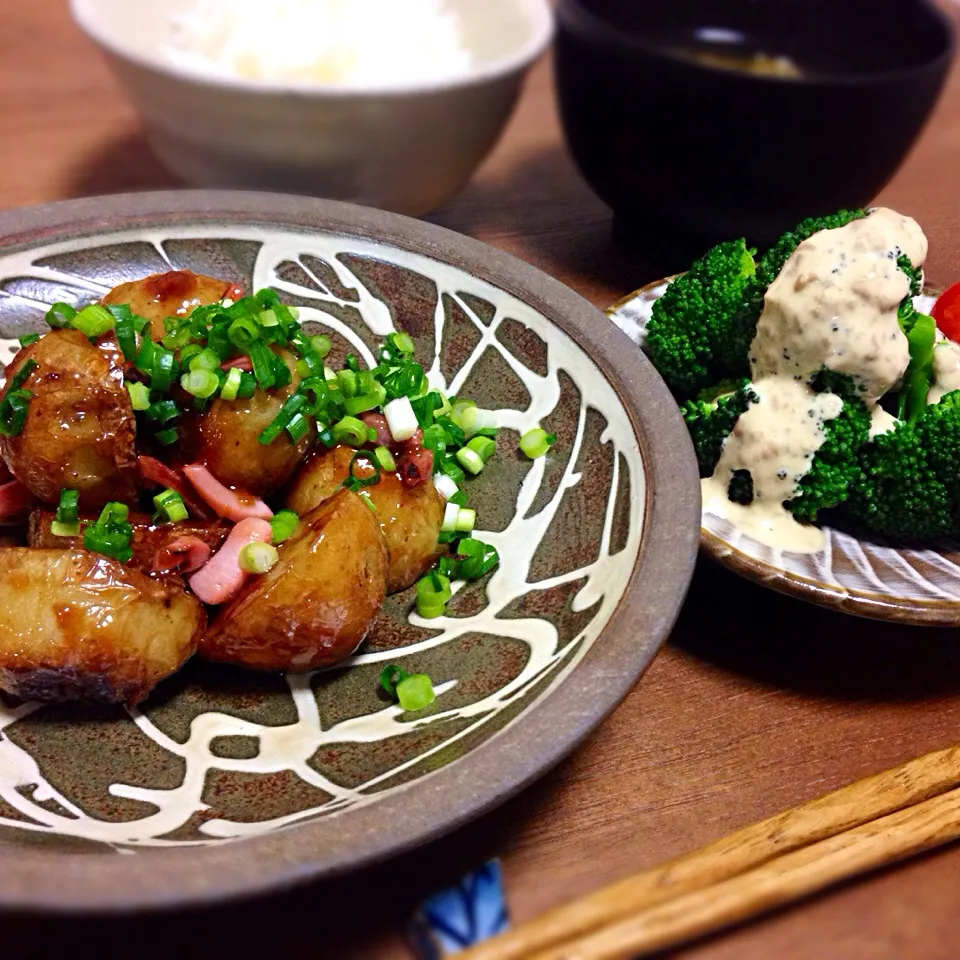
{"x": 227, "y": 439}
{"x": 176, "y": 293}
{"x": 410, "y": 517}
{"x": 315, "y": 606}
{"x": 151, "y": 542}
{"x": 80, "y": 428}
{"x": 80, "y": 626}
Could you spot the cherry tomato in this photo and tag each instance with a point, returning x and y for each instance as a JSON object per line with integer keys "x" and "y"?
{"x": 946, "y": 311}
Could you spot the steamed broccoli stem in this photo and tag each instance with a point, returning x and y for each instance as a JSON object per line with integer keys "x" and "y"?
{"x": 712, "y": 416}
{"x": 690, "y": 327}
{"x": 919, "y": 376}
{"x": 744, "y": 324}
{"x": 909, "y": 488}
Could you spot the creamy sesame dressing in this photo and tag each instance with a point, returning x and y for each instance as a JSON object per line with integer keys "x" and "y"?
{"x": 946, "y": 369}
{"x": 833, "y": 304}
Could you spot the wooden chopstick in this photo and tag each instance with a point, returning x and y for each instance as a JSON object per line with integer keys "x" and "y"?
{"x": 779, "y": 881}
{"x": 624, "y": 909}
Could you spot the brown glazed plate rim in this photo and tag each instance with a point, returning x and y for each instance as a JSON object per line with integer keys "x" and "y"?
{"x": 863, "y": 603}
{"x": 38, "y": 879}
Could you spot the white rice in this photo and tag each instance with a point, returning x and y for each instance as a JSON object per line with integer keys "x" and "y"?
{"x": 355, "y": 43}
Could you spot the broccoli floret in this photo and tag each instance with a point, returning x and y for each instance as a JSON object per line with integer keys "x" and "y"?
{"x": 915, "y": 275}
{"x": 835, "y": 470}
{"x": 744, "y": 324}
{"x": 712, "y": 416}
{"x": 909, "y": 488}
{"x": 690, "y": 328}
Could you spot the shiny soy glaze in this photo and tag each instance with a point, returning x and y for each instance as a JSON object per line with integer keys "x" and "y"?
{"x": 833, "y": 304}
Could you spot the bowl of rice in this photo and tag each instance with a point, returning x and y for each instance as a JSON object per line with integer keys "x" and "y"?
{"x": 388, "y": 103}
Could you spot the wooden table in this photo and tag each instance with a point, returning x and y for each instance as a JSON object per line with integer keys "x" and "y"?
{"x": 758, "y": 703}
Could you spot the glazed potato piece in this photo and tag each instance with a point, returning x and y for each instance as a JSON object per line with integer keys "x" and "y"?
{"x": 173, "y": 294}
{"x": 151, "y": 542}
{"x": 316, "y": 605}
{"x": 80, "y": 427}
{"x": 227, "y": 439}
{"x": 79, "y": 626}
{"x": 410, "y": 517}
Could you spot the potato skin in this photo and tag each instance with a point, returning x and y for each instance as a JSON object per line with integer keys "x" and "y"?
{"x": 316, "y": 605}
{"x": 80, "y": 428}
{"x": 227, "y": 439}
{"x": 176, "y": 293}
{"x": 410, "y": 517}
{"x": 79, "y": 626}
{"x": 148, "y": 541}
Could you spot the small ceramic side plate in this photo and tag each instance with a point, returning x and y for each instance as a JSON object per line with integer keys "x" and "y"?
{"x": 852, "y": 574}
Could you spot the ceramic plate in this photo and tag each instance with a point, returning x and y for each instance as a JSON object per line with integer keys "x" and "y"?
{"x": 852, "y": 574}
{"x": 227, "y": 781}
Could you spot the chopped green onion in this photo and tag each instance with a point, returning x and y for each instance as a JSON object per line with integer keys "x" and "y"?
{"x": 262, "y": 359}
{"x": 535, "y": 443}
{"x": 317, "y": 393}
{"x": 415, "y": 692}
{"x": 231, "y": 385}
{"x": 93, "y": 321}
{"x": 126, "y": 335}
{"x": 161, "y": 370}
{"x": 326, "y": 437}
{"x": 188, "y": 353}
{"x": 450, "y": 514}
{"x": 284, "y": 524}
{"x": 449, "y": 467}
{"x": 479, "y": 558}
{"x": 401, "y": 342}
{"x": 68, "y": 507}
{"x": 309, "y": 365}
{"x": 291, "y": 409}
{"x": 363, "y": 403}
{"x": 13, "y": 412}
{"x": 171, "y": 505}
{"x": 281, "y": 372}
{"x": 139, "y": 395}
{"x": 390, "y": 676}
{"x": 350, "y": 431}
{"x": 248, "y": 386}
{"x": 29, "y": 338}
{"x": 446, "y": 486}
{"x": 483, "y": 447}
{"x": 206, "y": 359}
{"x": 166, "y": 437}
{"x": 60, "y": 315}
{"x": 200, "y": 383}
{"x": 298, "y": 428}
{"x": 353, "y": 482}
{"x": 144, "y": 361}
{"x": 111, "y": 534}
{"x": 15, "y": 405}
{"x": 401, "y": 419}
{"x": 385, "y": 458}
{"x": 268, "y": 318}
{"x": 59, "y": 529}
{"x": 163, "y": 411}
{"x": 466, "y": 520}
{"x": 258, "y": 558}
{"x": 245, "y": 331}
{"x": 347, "y": 380}
{"x": 433, "y": 593}
{"x": 321, "y": 345}
{"x": 470, "y": 460}
{"x": 113, "y": 512}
